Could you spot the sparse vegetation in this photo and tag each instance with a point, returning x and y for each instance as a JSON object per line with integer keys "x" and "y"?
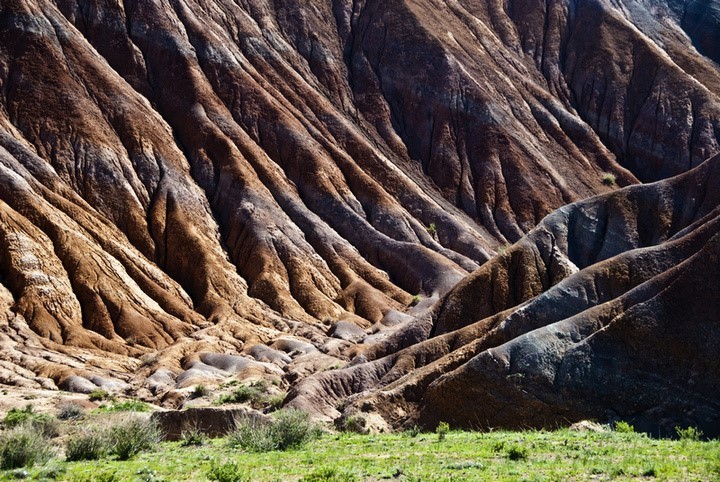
{"x": 415, "y": 300}
{"x": 256, "y": 394}
{"x": 23, "y": 446}
{"x": 131, "y": 405}
{"x": 608, "y": 179}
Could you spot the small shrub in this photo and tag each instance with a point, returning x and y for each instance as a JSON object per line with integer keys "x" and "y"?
{"x": 690, "y": 433}
{"x": 18, "y": 416}
{"x": 517, "y": 453}
{"x": 90, "y": 444}
{"x": 327, "y": 474}
{"x": 414, "y": 431}
{"x": 442, "y": 430}
{"x": 354, "y": 423}
{"x": 498, "y": 446}
{"x": 192, "y": 437}
{"x": 71, "y": 411}
{"x": 274, "y": 402}
{"x": 608, "y": 179}
{"x": 415, "y": 300}
{"x": 432, "y": 229}
{"x": 227, "y": 472}
{"x": 293, "y": 428}
{"x": 99, "y": 395}
{"x": 46, "y": 424}
{"x": 23, "y": 446}
{"x": 622, "y": 426}
{"x": 290, "y": 429}
{"x": 199, "y": 391}
{"x": 251, "y": 435}
{"x": 131, "y": 436}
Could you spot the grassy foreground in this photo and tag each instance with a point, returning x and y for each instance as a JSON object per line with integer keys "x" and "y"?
{"x": 459, "y": 456}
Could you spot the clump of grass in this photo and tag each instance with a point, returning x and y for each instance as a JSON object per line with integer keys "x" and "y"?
{"x": 242, "y": 394}
{"x": 226, "y": 472}
{"x": 199, "y": 391}
{"x": 415, "y": 300}
{"x": 99, "y": 395}
{"x": 690, "y": 433}
{"x": 622, "y": 426}
{"x": 517, "y": 453}
{"x": 432, "y": 229}
{"x": 192, "y": 436}
{"x": 291, "y": 429}
{"x": 328, "y": 474}
{"x": 90, "y": 444}
{"x": 133, "y": 435}
{"x": 442, "y": 430}
{"x": 608, "y": 179}
{"x": 413, "y": 431}
{"x": 70, "y": 411}
{"x": 23, "y": 446}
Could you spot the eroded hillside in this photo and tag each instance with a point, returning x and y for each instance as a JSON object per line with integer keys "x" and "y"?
{"x": 191, "y": 191}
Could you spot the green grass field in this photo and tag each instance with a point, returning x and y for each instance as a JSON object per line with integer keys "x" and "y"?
{"x": 461, "y": 456}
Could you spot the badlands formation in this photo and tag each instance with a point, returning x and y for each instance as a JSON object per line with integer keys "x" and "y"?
{"x": 491, "y": 213}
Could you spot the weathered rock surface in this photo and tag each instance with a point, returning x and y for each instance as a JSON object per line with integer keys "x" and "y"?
{"x": 191, "y": 191}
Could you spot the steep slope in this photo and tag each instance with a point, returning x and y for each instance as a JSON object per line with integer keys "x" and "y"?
{"x": 182, "y": 183}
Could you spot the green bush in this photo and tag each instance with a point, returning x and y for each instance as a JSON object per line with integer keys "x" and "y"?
{"x": 327, "y": 474}
{"x": 18, "y": 416}
{"x": 227, "y": 472}
{"x": 199, "y": 391}
{"x": 23, "y": 446}
{"x": 622, "y": 426}
{"x": 90, "y": 444}
{"x": 98, "y": 395}
{"x": 608, "y": 179}
{"x": 517, "y": 453}
{"x": 690, "y": 433}
{"x": 131, "y": 436}
{"x": 442, "y": 430}
{"x": 242, "y": 394}
{"x": 290, "y": 429}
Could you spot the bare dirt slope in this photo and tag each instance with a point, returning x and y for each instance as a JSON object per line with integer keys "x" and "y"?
{"x": 191, "y": 191}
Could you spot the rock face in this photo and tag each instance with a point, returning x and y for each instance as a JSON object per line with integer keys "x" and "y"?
{"x": 188, "y": 184}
